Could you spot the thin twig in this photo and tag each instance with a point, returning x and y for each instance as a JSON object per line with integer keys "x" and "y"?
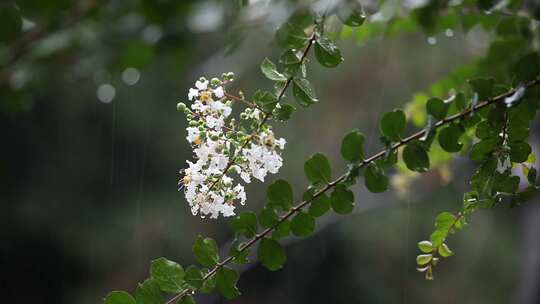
{"x": 333, "y": 183}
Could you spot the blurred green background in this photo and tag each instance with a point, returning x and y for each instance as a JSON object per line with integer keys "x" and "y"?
{"x": 93, "y": 144}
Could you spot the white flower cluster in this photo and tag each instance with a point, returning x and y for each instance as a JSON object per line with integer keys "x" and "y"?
{"x": 223, "y": 147}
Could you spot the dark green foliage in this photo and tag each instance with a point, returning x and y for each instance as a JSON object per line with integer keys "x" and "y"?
{"x": 268, "y": 68}
{"x": 194, "y": 277}
{"x": 303, "y": 92}
{"x": 327, "y": 53}
{"x": 342, "y": 200}
{"x": 449, "y": 137}
{"x": 375, "y": 179}
{"x": 266, "y": 100}
{"x": 317, "y": 169}
{"x": 437, "y": 108}
{"x": 148, "y": 293}
{"x": 119, "y": 297}
{"x": 416, "y": 157}
{"x": 393, "y": 124}
{"x": 280, "y": 194}
{"x": 268, "y": 217}
{"x": 319, "y": 205}
{"x": 167, "y": 274}
{"x": 352, "y": 146}
{"x": 283, "y": 112}
{"x": 10, "y": 22}
{"x": 291, "y": 34}
{"x": 351, "y": 13}
{"x": 302, "y": 224}
{"x": 271, "y": 254}
{"x": 226, "y": 279}
{"x": 245, "y": 224}
{"x": 206, "y": 251}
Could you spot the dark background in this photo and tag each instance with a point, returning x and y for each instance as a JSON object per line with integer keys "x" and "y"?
{"x": 88, "y": 188}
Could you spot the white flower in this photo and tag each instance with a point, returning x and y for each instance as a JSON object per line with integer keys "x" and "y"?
{"x": 193, "y": 134}
{"x": 201, "y": 85}
{"x": 219, "y": 92}
{"x": 281, "y": 143}
{"x": 193, "y": 93}
{"x": 209, "y": 186}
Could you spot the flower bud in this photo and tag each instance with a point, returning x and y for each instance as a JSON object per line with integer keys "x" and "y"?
{"x": 215, "y": 82}
{"x": 181, "y": 106}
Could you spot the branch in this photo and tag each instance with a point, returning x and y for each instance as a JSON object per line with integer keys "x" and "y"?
{"x": 362, "y": 164}
{"x": 265, "y": 118}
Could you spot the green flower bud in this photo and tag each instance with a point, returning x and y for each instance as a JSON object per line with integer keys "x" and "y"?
{"x": 181, "y": 106}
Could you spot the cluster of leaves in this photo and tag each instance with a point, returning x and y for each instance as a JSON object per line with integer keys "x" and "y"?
{"x": 488, "y": 120}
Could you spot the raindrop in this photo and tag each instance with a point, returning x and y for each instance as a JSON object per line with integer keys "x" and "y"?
{"x": 449, "y": 33}
{"x": 131, "y": 76}
{"x": 432, "y": 40}
{"x": 106, "y": 93}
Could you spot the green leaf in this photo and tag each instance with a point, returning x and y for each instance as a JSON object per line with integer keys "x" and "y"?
{"x": 415, "y": 157}
{"x": 283, "y": 112}
{"x": 437, "y": 108}
{"x": 444, "y": 251}
{"x": 268, "y": 217}
{"x": 317, "y": 169}
{"x": 194, "y": 277}
{"x": 271, "y": 254}
{"x": 270, "y": 71}
{"x": 10, "y": 22}
{"x": 423, "y": 259}
{"x": 208, "y": 285}
{"x": 169, "y": 275}
{"x": 531, "y": 176}
{"x": 438, "y": 236}
{"x": 519, "y": 151}
{"x": 148, "y": 293}
{"x": 291, "y": 35}
{"x": 303, "y": 92}
{"x": 351, "y": 14}
{"x": 444, "y": 221}
{"x": 245, "y": 223}
{"x": 302, "y": 224}
{"x": 319, "y": 205}
{"x": 282, "y": 230}
{"x": 239, "y": 257}
{"x": 483, "y": 87}
{"x": 206, "y": 251}
{"x": 280, "y": 194}
{"x": 527, "y": 68}
{"x": 226, "y": 279}
{"x": 352, "y": 146}
{"x": 505, "y": 183}
{"x": 342, "y": 200}
{"x": 375, "y": 179}
{"x": 327, "y": 53}
{"x": 483, "y": 149}
{"x": 119, "y": 297}
{"x": 461, "y": 102}
{"x": 393, "y": 124}
{"x": 267, "y": 101}
{"x": 425, "y": 246}
{"x": 449, "y": 137}
{"x": 186, "y": 299}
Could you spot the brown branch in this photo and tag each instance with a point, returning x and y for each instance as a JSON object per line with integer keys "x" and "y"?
{"x": 333, "y": 183}
{"x": 265, "y": 118}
